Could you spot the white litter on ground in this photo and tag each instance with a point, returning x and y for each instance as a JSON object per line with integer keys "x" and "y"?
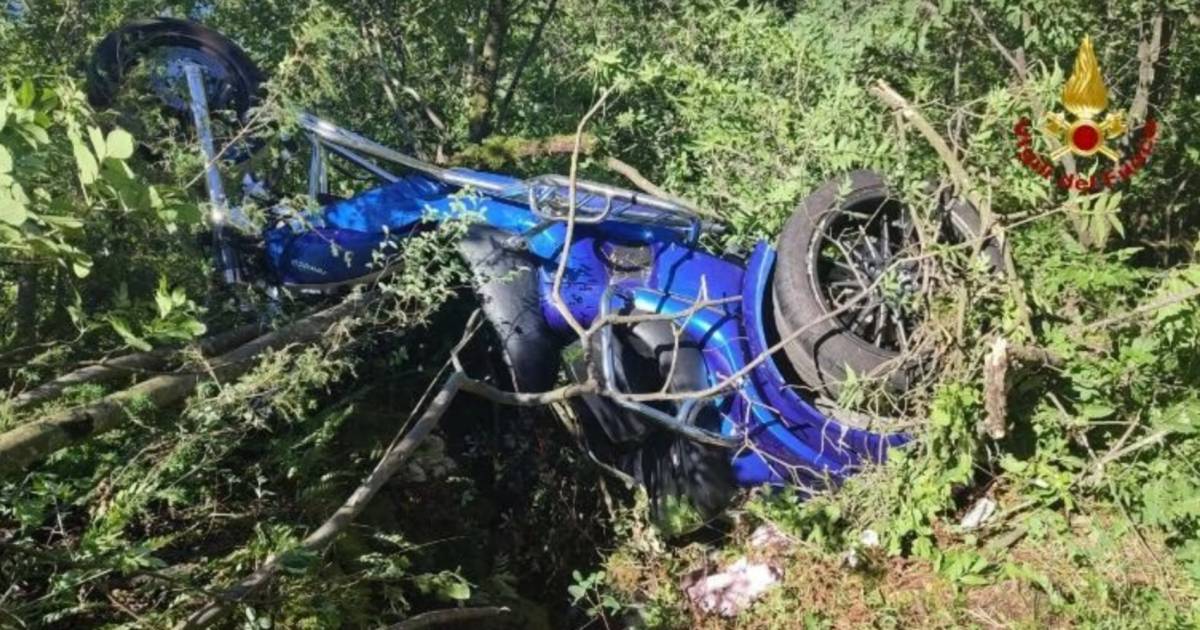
{"x": 768, "y": 535}
{"x": 731, "y": 591}
{"x": 979, "y": 514}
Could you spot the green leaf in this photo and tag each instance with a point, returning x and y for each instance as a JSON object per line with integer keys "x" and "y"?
{"x": 156, "y": 201}
{"x": 1095, "y": 411}
{"x": 457, "y": 590}
{"x": 5, "y": 160}
{"x": 126, "y": 333}
{"x": 195, "y": 327}
{"x": 119, "y": 144}
{"x": 297, "y": 560}
{"x": 12, "y": 211}
{"x": 82, "y": 267}
{"x": 88, "y": 168}
{"x": 62, "y": 221}
{"x": 187, "y": 213}
{"x": 164, "y": 303}
{"x": 36, "y": 132}
{"x": 26, "y": 94}
{"x": 98, "y": 146}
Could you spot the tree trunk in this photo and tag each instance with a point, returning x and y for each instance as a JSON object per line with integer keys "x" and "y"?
{"x": 27, "y": 306}
{"x": 486, "y": 71}
{"x": 526, "y": 57}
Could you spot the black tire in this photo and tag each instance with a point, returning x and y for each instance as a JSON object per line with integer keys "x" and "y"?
{"x": 688, "y": 483}
{"x": 233, "y": 83}
{"x": 830, "y": 346}
{"x": 123, "y": 49}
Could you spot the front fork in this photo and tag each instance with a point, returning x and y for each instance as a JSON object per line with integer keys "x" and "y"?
{"x": 224, "y": 257}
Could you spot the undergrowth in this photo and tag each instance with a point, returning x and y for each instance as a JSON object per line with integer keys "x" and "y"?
{"x": 743, "y": 108}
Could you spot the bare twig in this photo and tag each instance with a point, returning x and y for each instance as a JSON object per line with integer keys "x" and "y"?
{"x": 892, "y": 98}
{"x": 1017, "y": 64}
{"x": 629, "y": 172}
{"x": 556, "y": 290}
{"x": 1161, "y": 303}
{"x": 1117, "y": 453}
{"x": 388, "y": 465}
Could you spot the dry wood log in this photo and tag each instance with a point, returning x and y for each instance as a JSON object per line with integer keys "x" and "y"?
{"x": 995, "y": 391}
{"x": 996, "y": 380}
{"x": 436, "y": 618}
{"x": 496, "y": 151}
{"x": 121, "y": 367}
{"x": 31, "y": 442}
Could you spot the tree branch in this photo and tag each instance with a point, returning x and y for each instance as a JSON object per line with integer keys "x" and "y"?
{"x": 568, "y": 238}
{"x": 629, "y": 172}
{"x": 526, "y": 56}
{"x": 115, "y": 369}
{"x": 388, "y": 465}
{"x": 450, "y": 615}
{"x": 31, "y": 442}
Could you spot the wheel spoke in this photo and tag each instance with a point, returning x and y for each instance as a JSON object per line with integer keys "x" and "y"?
{"x": 867, "y": 246}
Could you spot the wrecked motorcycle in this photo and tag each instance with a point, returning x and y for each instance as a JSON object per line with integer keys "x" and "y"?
{"x": 736, "y": 405}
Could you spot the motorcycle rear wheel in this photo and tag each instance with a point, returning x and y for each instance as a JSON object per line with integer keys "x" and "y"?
{"x": 850, "y": 237}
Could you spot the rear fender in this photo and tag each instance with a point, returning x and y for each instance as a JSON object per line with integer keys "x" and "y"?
{"x": 507, "y": 285}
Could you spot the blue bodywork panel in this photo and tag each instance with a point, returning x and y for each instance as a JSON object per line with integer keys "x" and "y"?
{"x": 638, "y": 267}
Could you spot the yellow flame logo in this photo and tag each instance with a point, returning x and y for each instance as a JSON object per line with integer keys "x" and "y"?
{"x": 1085, "y": 96}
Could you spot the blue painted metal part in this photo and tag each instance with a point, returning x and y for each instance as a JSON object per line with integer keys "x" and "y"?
{"x": 789, "y": 440}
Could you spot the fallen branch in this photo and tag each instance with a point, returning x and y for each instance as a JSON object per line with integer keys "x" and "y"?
{"x": 120, "y": 367}
{"x": 995, "y": 391}
{"x": 450, "y": 615}
{"x": 556, "y": 288}
{"x": 1016, "y": 61}
{"x": 31, "y": 442}
{"x": 962, "y": 185}
{"x": 496, "y": 151}
{"x": 1161, "y": 303}
{"x": 892, "y": 98}
{"x": 996, "y": 381}
{"x": 629, "y": 172}
{"x": 388, "y": 465}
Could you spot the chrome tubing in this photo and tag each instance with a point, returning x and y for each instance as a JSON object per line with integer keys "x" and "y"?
{"x": 224, "y": 258}
{"x": 682, "y": 422}
{"x": 640, "y": 207}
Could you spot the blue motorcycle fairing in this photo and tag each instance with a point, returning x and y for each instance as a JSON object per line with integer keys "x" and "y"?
{"x": 651, "y": 268}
